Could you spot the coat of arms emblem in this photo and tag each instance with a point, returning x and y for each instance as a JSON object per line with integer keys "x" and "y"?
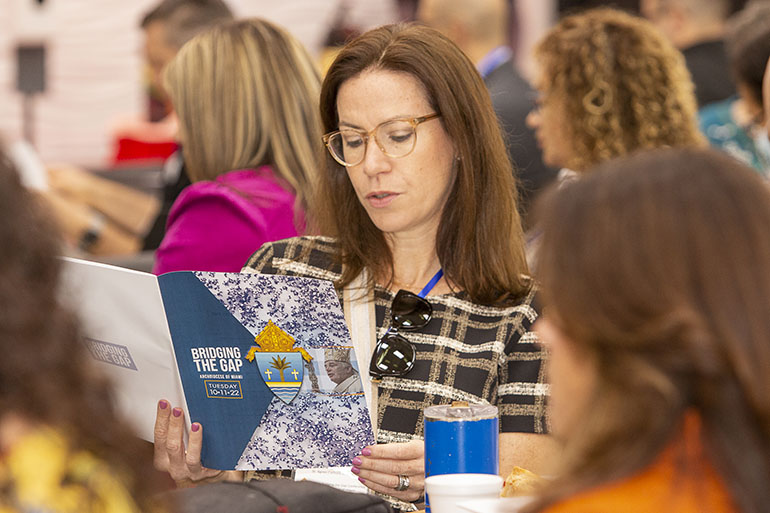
{"x": 280, "y": 364}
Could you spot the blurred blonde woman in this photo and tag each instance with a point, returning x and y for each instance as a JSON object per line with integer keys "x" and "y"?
{"x": 609, "y": 84}
{"x": 246, "y": 94}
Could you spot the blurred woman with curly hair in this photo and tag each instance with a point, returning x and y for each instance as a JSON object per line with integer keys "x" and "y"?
{"x": 610, "y": 84}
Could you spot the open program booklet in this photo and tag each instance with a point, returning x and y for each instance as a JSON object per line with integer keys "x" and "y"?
{"x": 242, "y": 354}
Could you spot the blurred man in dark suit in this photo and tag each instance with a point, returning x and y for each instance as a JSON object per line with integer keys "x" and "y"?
{"x": 480, "y": 29}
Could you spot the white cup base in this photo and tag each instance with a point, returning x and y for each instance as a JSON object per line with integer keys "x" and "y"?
{"x": 446, "y": 491}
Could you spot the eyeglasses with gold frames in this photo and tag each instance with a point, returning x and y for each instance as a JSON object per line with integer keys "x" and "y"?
{"x": 396, "y": 138}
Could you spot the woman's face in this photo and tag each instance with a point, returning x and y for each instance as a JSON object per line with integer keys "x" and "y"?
{"x": 403, "y": 196}
{"x": 572, "y": 375}
{"x": 550, "y": 122}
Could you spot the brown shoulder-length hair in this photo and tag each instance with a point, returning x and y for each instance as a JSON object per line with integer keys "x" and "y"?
{"x": 659, "y": 265}
{"x": 624, "y": 86}
{"x": 479, "y": 241}
{"x": 45, "y": 376}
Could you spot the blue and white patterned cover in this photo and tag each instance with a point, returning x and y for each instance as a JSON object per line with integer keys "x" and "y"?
{"x": 319, "y": 428}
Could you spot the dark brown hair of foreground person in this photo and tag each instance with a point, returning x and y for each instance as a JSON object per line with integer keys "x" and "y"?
{"x": 479, "y": 241}
{"x": 659, "y": 265}
{"x": 623, "y": 85}
{"x": 44, "y": 375}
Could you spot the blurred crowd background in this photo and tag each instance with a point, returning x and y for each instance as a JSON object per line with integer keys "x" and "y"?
{"x": 95, "y": 74}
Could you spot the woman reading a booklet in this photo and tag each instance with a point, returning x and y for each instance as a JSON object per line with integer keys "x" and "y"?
{"x": 659, "y": 341}
{"x": 62, "y": 447}
{"x": 416, "y": 199}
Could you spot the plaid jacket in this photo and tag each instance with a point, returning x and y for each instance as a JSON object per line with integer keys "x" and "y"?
{"x": 467, "y": 352}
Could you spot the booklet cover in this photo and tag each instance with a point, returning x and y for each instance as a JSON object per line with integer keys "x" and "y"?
{"x": 263, "y": 362}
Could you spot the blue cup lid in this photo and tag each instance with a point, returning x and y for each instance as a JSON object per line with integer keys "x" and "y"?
{"x": 460, "y": 411}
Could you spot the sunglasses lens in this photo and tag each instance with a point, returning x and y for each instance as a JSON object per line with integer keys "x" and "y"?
{"x": 410, "y": 310}
{"x": 393, "y": 356}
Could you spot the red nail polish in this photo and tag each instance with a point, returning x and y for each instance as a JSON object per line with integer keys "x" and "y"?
{"x": 177, "y": 412}
{"x": 366, "y": 451}
{"x": 357, "y": 461}
{"x": 362, "y": 480}
{"x": 355, "y": 470}
{"x": 163, "y": 405}
{"x": 195, "y": 427}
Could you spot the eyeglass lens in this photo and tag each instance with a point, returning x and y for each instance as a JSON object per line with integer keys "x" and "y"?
{"x": 395, "y": 139}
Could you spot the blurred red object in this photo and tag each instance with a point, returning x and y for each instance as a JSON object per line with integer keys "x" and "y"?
{"x": 137, "y": 141}
{"x": 134, "y": 150}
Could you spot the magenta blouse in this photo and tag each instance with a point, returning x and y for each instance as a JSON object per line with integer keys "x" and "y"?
{"x": 216, "y": 225}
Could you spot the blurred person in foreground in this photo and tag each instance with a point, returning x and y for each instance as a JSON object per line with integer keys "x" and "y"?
{"x": 658, "y": 335}
{"x": 697, "y": 28}
{"x": 736, "y": 125}
{"x": 416, "y": 201}
{"x": 246, "y": 95}
{"x": 62, "y": 446}
{"x": 609, "y": 84}
{"x": 480, "y": 29}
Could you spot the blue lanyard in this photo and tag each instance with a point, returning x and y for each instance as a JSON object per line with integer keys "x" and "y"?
{"x": 493, "y": 60}
{"x": 432, "y": 283}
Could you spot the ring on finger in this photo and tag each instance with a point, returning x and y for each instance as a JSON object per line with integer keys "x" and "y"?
{"x": 403, "y": 483}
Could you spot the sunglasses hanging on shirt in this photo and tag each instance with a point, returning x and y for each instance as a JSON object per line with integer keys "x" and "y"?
{"x": 394, "y": 355}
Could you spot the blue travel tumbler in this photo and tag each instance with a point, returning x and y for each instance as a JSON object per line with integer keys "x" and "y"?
{"x": 461, "y": 439}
